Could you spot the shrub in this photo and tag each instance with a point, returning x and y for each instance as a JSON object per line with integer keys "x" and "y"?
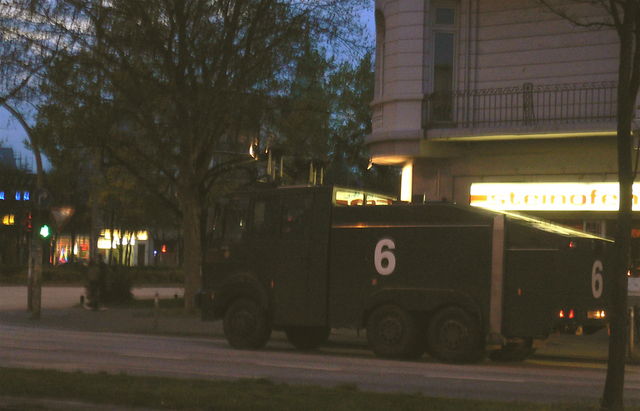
{"x": 76, "y": 273}
{"x": 117, "y": 286}
{"x": 13, "y": 274}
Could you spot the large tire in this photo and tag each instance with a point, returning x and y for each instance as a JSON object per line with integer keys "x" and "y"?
{"x": 307, "y": 338}
{"x": 514, "y": 351}
{"x": 392, "y": 332}
{"x": 455, "y": 336}
{"x": 246, "y": 325}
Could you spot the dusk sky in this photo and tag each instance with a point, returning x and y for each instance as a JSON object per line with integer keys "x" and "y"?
{"x": 12, "y": 135}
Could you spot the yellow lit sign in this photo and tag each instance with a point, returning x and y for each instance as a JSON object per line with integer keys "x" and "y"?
{"x": 550, "y": 196}
{"x": 9, "y": 219}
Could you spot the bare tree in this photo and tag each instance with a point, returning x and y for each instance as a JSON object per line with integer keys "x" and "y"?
{"x": 29, "y": 41}
{"x": 174, "y": 80}
{"x": 624, "y": 17}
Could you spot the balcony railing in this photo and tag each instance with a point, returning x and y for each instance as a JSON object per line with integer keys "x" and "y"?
{"x": 527, "y": 106}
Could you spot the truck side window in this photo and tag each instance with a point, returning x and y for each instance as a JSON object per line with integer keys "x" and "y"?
{"x": 259, "y": 211}
{"x": 264, "y": 218}
{"x": 235, "y": 220}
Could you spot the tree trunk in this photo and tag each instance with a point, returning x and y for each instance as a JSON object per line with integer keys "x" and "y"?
{"x": 613, "y": 396}
{"x": 191, "y": 223}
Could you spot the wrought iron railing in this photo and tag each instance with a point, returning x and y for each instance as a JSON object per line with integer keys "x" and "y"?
{"x": 523, "y": 106}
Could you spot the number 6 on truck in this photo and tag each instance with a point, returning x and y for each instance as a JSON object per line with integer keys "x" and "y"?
{"x": 383, "y": 257}
{"x": 597, "y": 282}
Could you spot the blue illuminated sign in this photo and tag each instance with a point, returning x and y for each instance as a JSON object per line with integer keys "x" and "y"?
{"x": 18, "y": 196}
{"x": 1, "y": 195}
{"x": 26, "y": 196}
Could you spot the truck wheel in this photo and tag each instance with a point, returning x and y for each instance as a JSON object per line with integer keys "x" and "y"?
{"x": 394, "y": 333}
{"x": 455, "y": 336}
{"x": 514, "y": 351}
{"x": 307, "y": 338}
{"x": 246, "y": 325}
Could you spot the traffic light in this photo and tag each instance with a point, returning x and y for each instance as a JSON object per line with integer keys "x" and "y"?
{"x": 44, "y": 231}
{"x": 28, "y": 222}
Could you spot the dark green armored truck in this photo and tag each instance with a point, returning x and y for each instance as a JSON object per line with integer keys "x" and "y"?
{"x": 456, "y": 282}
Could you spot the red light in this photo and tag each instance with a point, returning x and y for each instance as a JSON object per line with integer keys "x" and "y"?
{"x": 571, "y": 313}
{"x": 29, "y": 222}
{"x": 573, "y": 244}
{"x": 164, "y": 248}
{"x": 561, "y": 314}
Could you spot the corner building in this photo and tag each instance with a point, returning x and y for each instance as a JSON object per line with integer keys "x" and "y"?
{"x": 499, "y": 103}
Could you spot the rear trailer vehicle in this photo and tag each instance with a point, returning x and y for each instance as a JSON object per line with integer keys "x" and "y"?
{"x": 456, "y": 282}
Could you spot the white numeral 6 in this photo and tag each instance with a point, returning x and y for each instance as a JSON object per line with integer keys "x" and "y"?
{"x": 383, "y": 257}
{"x": 597, "y": 282}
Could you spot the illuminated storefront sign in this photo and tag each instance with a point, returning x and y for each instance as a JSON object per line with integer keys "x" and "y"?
{"x": 113, "y": 238}
{"x": 550, "y": 196}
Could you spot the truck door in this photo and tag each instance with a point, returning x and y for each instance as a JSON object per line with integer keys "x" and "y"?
{"x": 299, "y": 284}
{"x": 260, "y": 238}
{"x": 528, "y": 299}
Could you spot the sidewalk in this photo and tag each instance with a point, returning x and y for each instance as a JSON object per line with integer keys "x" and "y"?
{"x": 177, "y": 323}
{"x": 117, "y": 320}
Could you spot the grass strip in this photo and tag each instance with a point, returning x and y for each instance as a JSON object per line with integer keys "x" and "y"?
{"x": 258, "y": 394}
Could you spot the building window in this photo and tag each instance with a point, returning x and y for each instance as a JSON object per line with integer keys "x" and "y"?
{"x": 444, "y": 34}
{"x": 445, "y": 16}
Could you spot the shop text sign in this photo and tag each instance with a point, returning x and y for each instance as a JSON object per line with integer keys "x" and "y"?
{"x": 549, "y": 196}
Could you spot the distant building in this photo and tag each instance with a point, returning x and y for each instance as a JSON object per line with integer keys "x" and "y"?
{"x": 7, "y": 159}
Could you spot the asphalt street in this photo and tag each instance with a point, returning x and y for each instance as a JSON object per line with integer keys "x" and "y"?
{"x": 140, "y": 342}
{"x": 211, "y": 358}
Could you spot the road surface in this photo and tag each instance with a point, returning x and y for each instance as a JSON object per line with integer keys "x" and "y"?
{"x": 211, "y": 358}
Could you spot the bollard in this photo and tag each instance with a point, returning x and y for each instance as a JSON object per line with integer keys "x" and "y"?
{"x": 156, "y": 309}
{"x": 632, "y": 332}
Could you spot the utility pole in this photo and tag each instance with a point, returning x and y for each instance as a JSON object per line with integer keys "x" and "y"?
{"x": 39, "y": 233}
{"x": 42, "y": 199}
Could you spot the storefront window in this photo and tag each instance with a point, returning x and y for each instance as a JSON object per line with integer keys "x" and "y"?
{"x": 71, "y": 249}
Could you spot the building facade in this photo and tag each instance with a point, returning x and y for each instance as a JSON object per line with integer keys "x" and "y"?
{"x": 479, "y": 99}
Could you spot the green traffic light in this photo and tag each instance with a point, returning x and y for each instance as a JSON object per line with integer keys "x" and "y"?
{"x": 45, "y": 231}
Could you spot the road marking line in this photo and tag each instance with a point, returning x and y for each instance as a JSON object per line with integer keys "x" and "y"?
{"x": 302, "y": 367}
{"x": 32, "y": 347}
{"x": 491, "y": 379}
{"x": 143, "y": 354}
